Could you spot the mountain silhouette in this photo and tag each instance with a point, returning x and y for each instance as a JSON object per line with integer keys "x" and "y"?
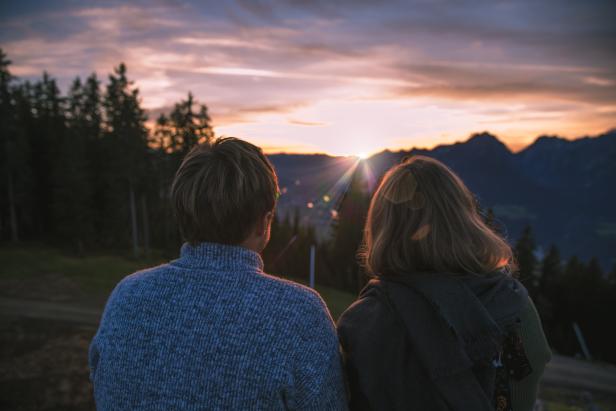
{"x": 564, "y": 189}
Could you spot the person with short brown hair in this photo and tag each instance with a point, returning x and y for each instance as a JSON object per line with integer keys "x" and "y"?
{"x": 211, "y": 330}
{"x": 222, "y": 190}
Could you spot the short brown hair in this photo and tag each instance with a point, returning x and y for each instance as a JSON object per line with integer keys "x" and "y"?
{"x": 422, "y": 218}
{"x": 221, "y": 189}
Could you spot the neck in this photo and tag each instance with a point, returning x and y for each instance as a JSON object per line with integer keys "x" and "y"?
{"x": 253, "y": 244}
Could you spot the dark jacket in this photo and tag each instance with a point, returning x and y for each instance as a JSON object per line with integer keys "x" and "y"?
{"x": 429, "y": 341}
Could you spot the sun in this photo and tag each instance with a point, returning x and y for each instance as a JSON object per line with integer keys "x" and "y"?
{"x": 362, "y": 155}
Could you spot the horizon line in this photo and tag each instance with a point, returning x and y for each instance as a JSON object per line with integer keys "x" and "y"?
{"x": 512, "y": 149}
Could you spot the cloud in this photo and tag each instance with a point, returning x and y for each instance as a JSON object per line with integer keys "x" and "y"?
{"x": 516, "y": 65}
{"x": 507, "y": 83}
{"x": 307, "y": 123}
{"x": 598, "y": 81}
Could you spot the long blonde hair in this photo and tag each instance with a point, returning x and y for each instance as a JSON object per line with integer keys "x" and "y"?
{"x": 423, "y": 218}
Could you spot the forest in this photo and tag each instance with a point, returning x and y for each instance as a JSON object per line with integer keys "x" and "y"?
{"x": 83, "y": 171}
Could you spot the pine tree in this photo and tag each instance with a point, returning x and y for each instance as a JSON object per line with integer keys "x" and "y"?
{"x": 572, "y": 297}
{"x": 20, "y": 163}
{"x": 527, "y": 262}
{"x": 72, "y": 190}
{"x": 164, "y": 167}
{"x": 551, "y": 270}
{"x": 91, "y": 123}
{"x": 189, "y": 127}
{"x": 549, "y": 291}
{"x": 174, "y": 136}
{"x": 612, "y": 276}
{"x": 48, "y": 132}
{"x": 593, "y": 271}
{"x": 126, "y": 143}
{"x": 573, "y": 286}
{"x": 7, "y": 118}
{"x": 573, "y": 269}
{"x": 161, "y": 138}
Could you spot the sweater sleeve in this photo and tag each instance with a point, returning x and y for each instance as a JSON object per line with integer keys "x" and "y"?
{"x": 524, "y": 392}
{"x": 318, "y": 382}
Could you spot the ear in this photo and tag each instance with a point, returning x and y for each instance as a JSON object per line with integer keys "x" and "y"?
{"x": 264, "y": 222}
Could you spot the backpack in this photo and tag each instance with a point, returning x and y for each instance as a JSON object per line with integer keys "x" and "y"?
{"x": 492, "y": 358}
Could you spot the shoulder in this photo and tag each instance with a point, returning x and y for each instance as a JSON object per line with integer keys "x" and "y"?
{"x": 293, "y": 294}
{"x": 371, "y": 301}
{"x": 305, "y": 318}
{"x": 136, "y": 283}
{"x": 146, "y": 274}
{"x": 368, "y": 316}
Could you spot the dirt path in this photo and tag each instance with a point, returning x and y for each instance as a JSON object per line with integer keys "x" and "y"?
{"x": 10, "y": 307}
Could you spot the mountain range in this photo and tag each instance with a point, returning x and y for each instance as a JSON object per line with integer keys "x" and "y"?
{"x": 564, "y": 189}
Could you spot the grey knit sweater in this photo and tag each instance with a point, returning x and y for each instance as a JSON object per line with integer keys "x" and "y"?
{"x": 210, "y": 330}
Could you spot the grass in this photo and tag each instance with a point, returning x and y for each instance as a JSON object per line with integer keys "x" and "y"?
{"x": 96, "y": 275}
{"x": 337, "y": 301}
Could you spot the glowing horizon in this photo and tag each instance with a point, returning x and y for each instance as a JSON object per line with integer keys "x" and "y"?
{"x": 274, "y": 150}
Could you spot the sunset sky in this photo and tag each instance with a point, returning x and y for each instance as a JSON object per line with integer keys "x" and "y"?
{"x": 341, "y": 77}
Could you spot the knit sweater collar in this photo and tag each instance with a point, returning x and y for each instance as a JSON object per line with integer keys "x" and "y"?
{"x": 220, "y": 257}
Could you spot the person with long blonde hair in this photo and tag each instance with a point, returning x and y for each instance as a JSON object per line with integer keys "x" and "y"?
{"x": 443, "y": 324}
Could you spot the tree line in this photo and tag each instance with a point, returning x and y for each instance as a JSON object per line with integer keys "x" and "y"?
{"x": 83, "y": 171}
{"x": 568, "y": 291}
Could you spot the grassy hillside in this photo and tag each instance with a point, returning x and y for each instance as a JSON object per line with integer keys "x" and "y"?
{"x": 42, "y": 272}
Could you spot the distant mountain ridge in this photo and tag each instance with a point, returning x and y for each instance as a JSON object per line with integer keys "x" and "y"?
{"x": 565, "y": 189}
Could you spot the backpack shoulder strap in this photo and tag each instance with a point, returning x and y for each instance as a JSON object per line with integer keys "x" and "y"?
{"x": 438, "y": 349}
